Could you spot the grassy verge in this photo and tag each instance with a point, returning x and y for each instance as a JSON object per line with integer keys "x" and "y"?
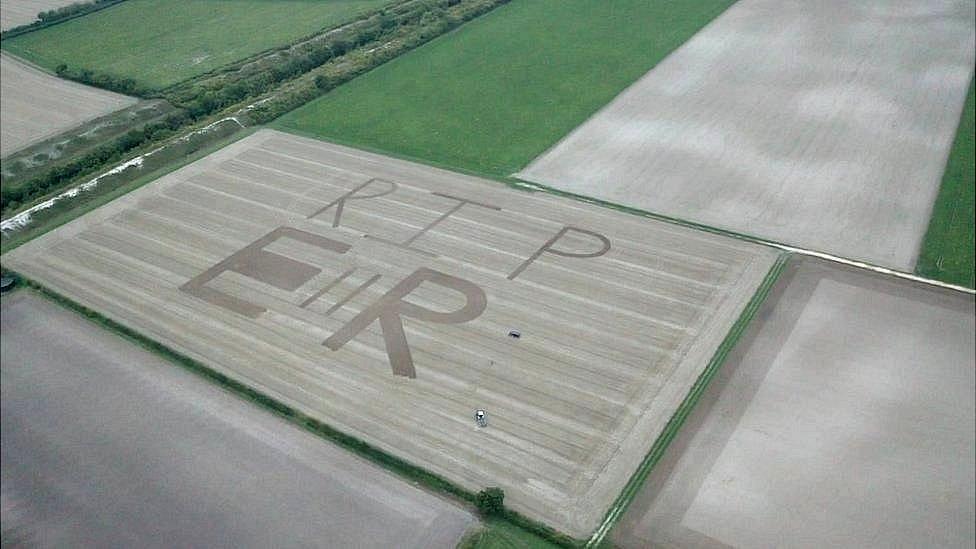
{"x": 504, "y": 88}
{"x": 636, "y": 481}
{"x": 947, "y": 252}
{"x": 498, "y": 534}
{"x": 160, "y": 42}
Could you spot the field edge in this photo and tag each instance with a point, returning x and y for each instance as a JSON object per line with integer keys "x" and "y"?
{"x": 674, "y": 425}
{"x": 947, "y": 238}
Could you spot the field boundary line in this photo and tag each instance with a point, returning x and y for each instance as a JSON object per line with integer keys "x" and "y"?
{"x": 663, "y": 441}
{"x": 874, "y": 268}
{"x": 528, "y": 186}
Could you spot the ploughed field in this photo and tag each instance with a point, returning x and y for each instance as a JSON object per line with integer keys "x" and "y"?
{"x": 107, "y": 445}
{"x": 845, "y": 417}
{"x": 35, "y": 105}
{"x": 822, "y": 125}
{"x": 161, "y": 42}
{"x": 392, "y": 300}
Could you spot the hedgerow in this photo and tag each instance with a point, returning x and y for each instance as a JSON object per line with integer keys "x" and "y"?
{"x": 59, "y": 15}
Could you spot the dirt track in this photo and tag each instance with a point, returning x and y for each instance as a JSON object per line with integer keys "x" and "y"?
{"x": 35, "y": 105}
{"x": 251, "y": 261}
{"x": 107, "y": 445}
{"x": 824, "y": 125}
{"x": 844, "y": 418}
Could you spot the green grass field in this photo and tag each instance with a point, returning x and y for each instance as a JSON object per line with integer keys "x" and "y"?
{"x": 161, "y": 42}
{"x": 502, "y": 89}
{"x": 947, "y": 251}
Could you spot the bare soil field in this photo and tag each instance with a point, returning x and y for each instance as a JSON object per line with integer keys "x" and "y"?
{"x": 35, "y": 105}
{"x": 824, "y": 125}
{"x": 393, "y": 300}
{"x": 107, "y": 445}
{"x": 14, "y": 13}
{"x": 844, "y": 418}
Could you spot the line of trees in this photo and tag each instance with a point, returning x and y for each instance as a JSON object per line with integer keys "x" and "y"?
{"x": 128, "y": 86}
{"x": 76, "y": 8}
{"x": 55, "y": 16}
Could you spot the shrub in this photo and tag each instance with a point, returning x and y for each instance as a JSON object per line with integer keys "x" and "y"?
{"x": 490, "y": 502}
{"x": 323, "y": 82}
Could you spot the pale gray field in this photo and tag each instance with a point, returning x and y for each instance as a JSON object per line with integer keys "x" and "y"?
{"x": 824, "y": 125}
{"x": 35, "y": 105}
{"x": 250, "y": 261}
{"x": 107, "y": 445}
{"x": 844, "y": 418}
{"x": 14, "y": 13}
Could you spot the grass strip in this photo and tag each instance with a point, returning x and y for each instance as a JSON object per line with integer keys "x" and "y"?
{"x": 947, "y": 252}
{"x": 664, "y": 440}
{"x": 499, "y": 534}
{"x": 516, "y": 525}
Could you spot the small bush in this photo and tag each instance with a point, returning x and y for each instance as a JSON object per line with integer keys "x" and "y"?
{"x": 490, "y": 502}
